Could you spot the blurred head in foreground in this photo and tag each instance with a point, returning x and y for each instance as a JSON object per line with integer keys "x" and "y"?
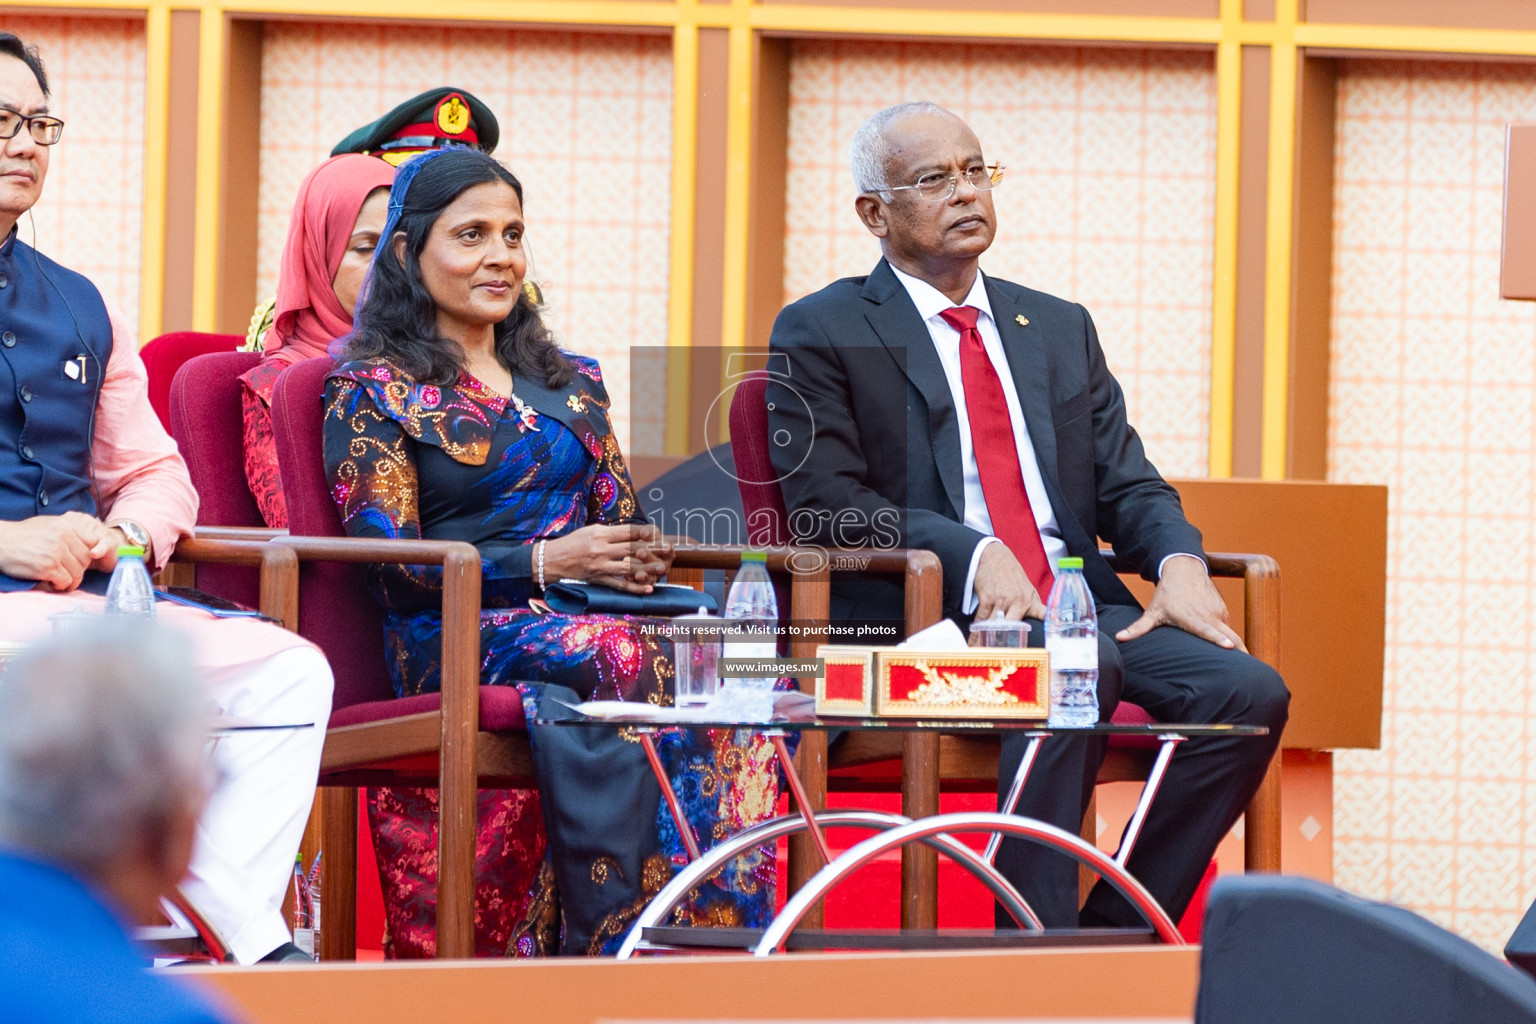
{"x": 104, "y": 768}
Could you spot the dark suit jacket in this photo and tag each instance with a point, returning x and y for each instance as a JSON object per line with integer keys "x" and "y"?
{"x": 868, "y": 443}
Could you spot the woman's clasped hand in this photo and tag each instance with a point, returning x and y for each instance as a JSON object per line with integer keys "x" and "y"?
{"x": 626, "y": 557}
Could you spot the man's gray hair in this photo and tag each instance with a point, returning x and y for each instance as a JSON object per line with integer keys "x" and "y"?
{"x": 868, "y": 152}
{"x": 104, "y": 735}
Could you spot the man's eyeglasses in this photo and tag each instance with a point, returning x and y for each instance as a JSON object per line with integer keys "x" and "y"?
{"x": 938, "y": 186}
{"x": 45, "y": 130}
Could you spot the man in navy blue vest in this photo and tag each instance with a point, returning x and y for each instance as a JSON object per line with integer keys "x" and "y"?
{"x": 85, "y": 467}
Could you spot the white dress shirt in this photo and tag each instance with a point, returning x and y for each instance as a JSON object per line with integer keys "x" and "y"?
{"x": 931, "y": 302}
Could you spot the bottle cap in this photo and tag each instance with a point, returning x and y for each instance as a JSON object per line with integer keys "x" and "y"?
{"x": 755, "y": 556}
{"x": 1069, "y": 563}
{"x": 130, "y": 551}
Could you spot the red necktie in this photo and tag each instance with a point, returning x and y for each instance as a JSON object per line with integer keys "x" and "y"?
{"x": 997, "y": 457}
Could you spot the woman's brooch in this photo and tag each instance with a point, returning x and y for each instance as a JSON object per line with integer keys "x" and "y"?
{"x": 525, "y": 414}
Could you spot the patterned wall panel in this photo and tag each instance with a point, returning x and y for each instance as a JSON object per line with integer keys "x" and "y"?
{"x": 586, "y": 125}
{"x": 1434, "y": 385}
{"x": 1109, "y": 199}
{"x": 91, "y": 214}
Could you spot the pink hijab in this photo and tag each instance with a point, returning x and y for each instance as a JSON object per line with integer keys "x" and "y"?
{"x": 308, "y": 317}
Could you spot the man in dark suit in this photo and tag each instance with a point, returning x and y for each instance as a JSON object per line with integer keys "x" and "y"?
{"x": 930, "y": 406}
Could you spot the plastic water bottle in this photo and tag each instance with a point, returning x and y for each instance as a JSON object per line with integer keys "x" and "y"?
{"x": 1072, "y": 640}
{"x": 130, "y": 592}
{"x": 752, "y": 615}
{"x": 304, "y": 933}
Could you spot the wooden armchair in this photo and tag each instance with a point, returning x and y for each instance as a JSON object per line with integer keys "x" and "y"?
{"x": 467, "y": 737}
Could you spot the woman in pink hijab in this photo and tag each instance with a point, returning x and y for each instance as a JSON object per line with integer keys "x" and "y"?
{"x": 335, "y": 228}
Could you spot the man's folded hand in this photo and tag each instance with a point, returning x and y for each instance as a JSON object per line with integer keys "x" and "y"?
{"x": 1003, "y": 588}
{"x": 55, "y": 550}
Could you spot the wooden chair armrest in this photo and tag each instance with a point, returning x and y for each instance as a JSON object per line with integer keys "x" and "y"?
{"x": 809, "y": 570}
{"x": 1261, "y": 596}
{"x": 279, "y": 570}
{"x": 237, "y": 533}
{"x": 460, "y": 708}
{"x": 461, "y": 610}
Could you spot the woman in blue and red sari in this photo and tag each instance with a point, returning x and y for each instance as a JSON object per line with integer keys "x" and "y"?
{"x": 337, "y": 217}
{"x": 455, "y": 416}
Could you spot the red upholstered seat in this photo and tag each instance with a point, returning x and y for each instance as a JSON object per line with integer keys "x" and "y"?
{"x": 761, "y": 498}
{"x": 164, "y": 356}
{"x": 206, "y": 421}
{"x": 501, "y": 709}
{"x": 336, "y": 610}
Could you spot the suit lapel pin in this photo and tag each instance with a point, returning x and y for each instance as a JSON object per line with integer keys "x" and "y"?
{"x": 576, "y": 404}
{"x": 1021, "y": 320}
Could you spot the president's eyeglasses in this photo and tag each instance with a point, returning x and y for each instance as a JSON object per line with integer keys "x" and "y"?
{"x": 937, "y": 186}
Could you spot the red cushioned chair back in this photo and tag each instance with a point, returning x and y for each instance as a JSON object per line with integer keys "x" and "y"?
{"x": 337, "y": 611}
{"x": 164, "y": 356}
{"x": 761, "y": 499}
{"x": 207, "y": 423}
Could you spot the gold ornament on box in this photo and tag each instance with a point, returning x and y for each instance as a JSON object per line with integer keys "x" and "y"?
{"x": 975, "y": 683}
{"x": 948, "y": 688}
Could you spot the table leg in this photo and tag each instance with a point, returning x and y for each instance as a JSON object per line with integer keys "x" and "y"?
{"x": 807, "y": 812}
{"x": 949, "y": 824}
{"x": 688, "y": 879}
{"x": 684, "y": 829}
{"x": 1170, "y": 742}
{"x": 1015, "y": 790}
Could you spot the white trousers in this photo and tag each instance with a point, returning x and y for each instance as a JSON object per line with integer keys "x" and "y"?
{"x": 246, "y": 842}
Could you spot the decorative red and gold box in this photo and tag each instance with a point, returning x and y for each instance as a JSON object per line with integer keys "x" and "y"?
{"x": 974, "y": 683}
{"x": 899, "y": 682}
{"x": 847, "y": 685}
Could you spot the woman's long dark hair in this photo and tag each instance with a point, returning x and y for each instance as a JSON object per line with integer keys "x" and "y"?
{"x": 397, "y": 319}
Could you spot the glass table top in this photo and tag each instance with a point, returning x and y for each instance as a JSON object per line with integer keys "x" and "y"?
{"x": 803, "y": 722}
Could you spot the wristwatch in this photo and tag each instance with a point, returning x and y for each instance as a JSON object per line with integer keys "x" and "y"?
{"x": 136, "y": 534}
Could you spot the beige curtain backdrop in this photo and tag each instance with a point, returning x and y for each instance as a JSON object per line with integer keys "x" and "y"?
{"x": 1434, "y": 386}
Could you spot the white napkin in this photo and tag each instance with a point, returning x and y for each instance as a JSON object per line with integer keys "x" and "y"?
{"x": 943, "y": 635}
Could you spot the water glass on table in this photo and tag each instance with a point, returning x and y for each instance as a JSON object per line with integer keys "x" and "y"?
{"x": 695, "y": 658}
{"x": 999, "y": 632}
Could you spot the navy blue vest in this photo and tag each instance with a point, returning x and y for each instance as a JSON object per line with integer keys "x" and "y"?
{"x": 55, "y": 340}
